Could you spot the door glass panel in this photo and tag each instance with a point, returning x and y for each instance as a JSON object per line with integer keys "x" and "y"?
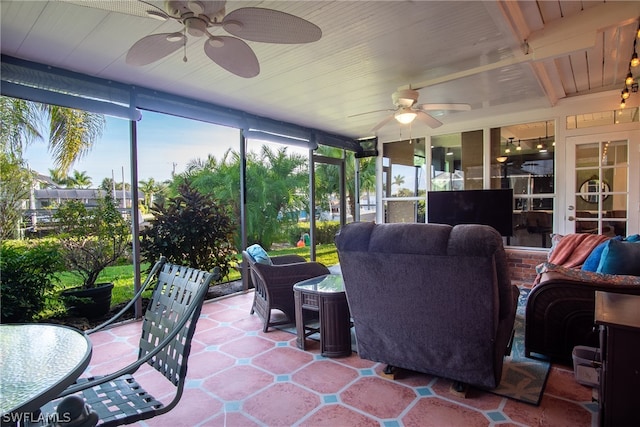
{"x": 588, "y": 183}
{"x": 587, "y": 155}
{"x": 614, "y": 180}
{"x": 614, "y": 153}
{"x": 601, "y": 187}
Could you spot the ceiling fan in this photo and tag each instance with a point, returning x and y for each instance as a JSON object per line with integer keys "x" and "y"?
{"x": 407, "y": 110}
{"x": 201, "y": 18}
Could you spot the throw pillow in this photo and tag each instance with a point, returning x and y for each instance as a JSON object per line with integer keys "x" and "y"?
{"x": 593, "y": 260}
{"x": 620, "y": 258}
{"x": 259, "y": 255}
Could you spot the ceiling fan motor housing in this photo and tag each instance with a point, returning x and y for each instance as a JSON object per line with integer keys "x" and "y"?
{"x": 208, "y": 11}
{"x": 405, "y": 98}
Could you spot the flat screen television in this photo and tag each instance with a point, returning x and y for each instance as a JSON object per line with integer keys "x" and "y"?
{"x": 488, "y": 207}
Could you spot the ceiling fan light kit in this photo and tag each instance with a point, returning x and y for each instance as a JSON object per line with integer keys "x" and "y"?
{"x": 201, "y": 18}
{"x": 405, "y": 115}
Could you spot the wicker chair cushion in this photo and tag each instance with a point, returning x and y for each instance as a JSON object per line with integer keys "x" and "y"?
{"x": 259, "y": 255}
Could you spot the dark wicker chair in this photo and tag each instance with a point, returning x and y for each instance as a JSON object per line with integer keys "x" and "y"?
{"x": 274, "y": 285}
{"x": 167, "y": 329}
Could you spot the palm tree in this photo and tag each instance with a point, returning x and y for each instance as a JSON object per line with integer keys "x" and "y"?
{"x": 18, "y": 120}
{"x": 368, "y": 176}
{"x": 72, "y": 133}
{"x": 107, "y": 185}
{"x": 398, "y": 180}
{"x": 59, "y": 178}
{"x": 79, "y": 180}
{"x": 276, "y": 187}
{"x": 149, "y": 188}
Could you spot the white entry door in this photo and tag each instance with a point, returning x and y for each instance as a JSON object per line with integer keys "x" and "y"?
{"x": 602, "y": 192}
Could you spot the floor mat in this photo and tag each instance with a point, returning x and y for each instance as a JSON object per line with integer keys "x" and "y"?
{"x": 523, "y": 378}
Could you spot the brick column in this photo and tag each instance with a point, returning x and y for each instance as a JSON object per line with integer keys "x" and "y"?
{"x": 522, "y": 263}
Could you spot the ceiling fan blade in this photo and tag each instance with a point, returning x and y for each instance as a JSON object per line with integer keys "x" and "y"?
{"x": 370, "y": 112}
{"x": 270, "y": 26}
{"x": 428, "y": 119}
{"x": 450, "y": 107}
{"x": 232, "y": 54}
{"x": 153, "y": 48}
{"x": 382, "y": 123}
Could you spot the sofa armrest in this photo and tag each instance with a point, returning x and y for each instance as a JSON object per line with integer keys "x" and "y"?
{"x": 560, "y": 311}
{"x": 552, "y": 272}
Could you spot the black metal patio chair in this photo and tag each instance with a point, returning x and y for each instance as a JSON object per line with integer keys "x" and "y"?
{"x": 167, "y": 330}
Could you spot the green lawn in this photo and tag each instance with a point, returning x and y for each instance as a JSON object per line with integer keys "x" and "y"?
{"x": 122, "y": 275}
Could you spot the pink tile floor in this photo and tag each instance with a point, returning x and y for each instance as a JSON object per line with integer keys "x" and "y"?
{"x": 240, "y": 376}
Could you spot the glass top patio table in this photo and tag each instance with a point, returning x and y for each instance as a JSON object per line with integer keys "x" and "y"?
{"x": 330, "y": 283}
{"x": 37, "y": 362}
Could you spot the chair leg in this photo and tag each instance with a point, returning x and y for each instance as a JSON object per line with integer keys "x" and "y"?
{"x": 267, "y": 319}
{"x": 507, "y": 352}
{"x": 389, "y": 372}
{"x": 253, "y": 306}
{"x": 459, "y": 389}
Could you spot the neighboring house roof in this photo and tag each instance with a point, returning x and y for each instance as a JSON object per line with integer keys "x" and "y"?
{"x": 78, "y": 193}
{"x": 46, "y": 180}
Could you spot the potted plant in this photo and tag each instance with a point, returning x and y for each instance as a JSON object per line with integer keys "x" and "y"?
{"x": 91, "y": 239}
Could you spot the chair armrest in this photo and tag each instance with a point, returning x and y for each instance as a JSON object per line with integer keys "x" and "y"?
{"x": 291, "y": 273}
{"x": 287, "y": 259}
{"x": 152, "y": 275}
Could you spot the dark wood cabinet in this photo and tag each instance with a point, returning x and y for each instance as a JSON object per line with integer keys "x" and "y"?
{"x": 619, "y": 318}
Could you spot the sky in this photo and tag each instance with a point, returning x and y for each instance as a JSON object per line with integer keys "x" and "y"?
{"x": 164, "y": 143}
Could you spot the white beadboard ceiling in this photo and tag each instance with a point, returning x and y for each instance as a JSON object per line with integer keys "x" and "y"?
{"x": 490, "y": 54}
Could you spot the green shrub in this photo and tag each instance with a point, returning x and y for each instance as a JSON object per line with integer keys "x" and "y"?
{"x": 325, "y": 232}
{"x": 190, "y": 229}
{"x": 28, "y": 277}
{"x": 92, "y": 239}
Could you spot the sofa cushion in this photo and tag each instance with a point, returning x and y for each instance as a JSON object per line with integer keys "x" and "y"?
{"x": 593, "y": 260}
{"x": 620, "y": 258}
{"x": 259, "y": 255}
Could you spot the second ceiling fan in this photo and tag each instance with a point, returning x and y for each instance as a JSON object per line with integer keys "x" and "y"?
{"x": 407, "y": 109}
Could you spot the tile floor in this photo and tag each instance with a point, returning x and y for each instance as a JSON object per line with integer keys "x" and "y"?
{"x": 240, "y": 376}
